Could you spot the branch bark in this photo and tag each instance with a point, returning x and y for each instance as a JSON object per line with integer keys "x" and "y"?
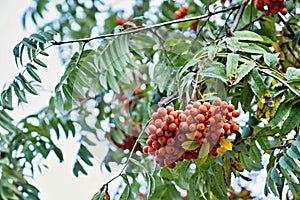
{"x": 144, "y": 28}
{"x": 239, "y": 15}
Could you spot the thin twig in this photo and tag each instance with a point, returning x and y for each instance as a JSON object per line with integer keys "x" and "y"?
{"x": 280, "y": 80}
{"x": 161, "y": 41}
{"x": 293, "y": 52}
{"x": 130, "y": 155}
{"x": 239, "y": 15}
{"x": 131, "y": 31}
{"x": 81, "y": 104}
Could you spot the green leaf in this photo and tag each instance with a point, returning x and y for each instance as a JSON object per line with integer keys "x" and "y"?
{"x": 58, "y": 153}
{"x": 285, "y": 163}
{"x": 39, "y": 62}
{"x": 232, "y": 64}
{"x": 247, "y": 35}
{"x": 20, "y": 94}
{"x": 26, "y": 84}
{"x": 112, "y": 82}
{"x": 38, "y": 38}
{"x": 215, "y": 70}
{"x": 292, "y": 120}
{"x": 248, "y": 163}
{"x": 292, "y": 73}
{"x": 271, "y": 59}
{"x": 244, "y": 70}
{"x": 32, "y": 73}
{"x": 252, "y": 48}
{"x": 29, "y": 43}
{"x": 78, "y": 168}
{"x": 272, "y": 180}
{"x": 296, "y": 39}
{"x": 289, "y": 175}
{"x": 190, "y": 145}
{"x": 103, "y": 81}
{"x": 281, "y": 114}
{"x": 257, "y": 85}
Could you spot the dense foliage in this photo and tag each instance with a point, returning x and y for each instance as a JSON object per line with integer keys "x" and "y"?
{"x": 123, "y": 69}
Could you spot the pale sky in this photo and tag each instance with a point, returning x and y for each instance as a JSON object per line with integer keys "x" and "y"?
{"x": 57, "y": 182}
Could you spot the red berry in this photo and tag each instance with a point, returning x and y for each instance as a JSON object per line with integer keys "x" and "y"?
{"x": 235, "y": 113}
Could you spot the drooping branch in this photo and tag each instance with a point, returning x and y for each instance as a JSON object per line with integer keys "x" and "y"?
{"x": 144, "y": 28}
{"x": 239, "y": 15}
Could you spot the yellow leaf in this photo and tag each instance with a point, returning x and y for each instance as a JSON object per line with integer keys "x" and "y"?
{"x": 226, "y": 143}
{"x": 225, "y": 146}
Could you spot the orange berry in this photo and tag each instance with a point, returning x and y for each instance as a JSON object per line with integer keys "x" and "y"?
{"x": 284, "y": 11}
{"x": 230, "y": 107}
{"x": 152, "y": 129}
{"x": 149, "y": 142}
{"x": 178, "y": 14}
{"x": 155, "y": 145}
{"x": 159, "y": 132}
{"x": 162, "y": 140}
{"x": 197, "y": 104}
{"x": 200, "y": 127}
{"x": 176, "y": 121}
{"x": 162, "y": 112}
{"x": 192, "y": 127}
{"x": 170, "y": 149}
{"x": 170, "y": 141}
{"x": 226, "y": 126}
{"x": 181, "y": 137}
{"x": 169, "y": 109}
{"x": 207, "y": 105}
{"x": 183, "y": 9}
{"x": 168, "y": 134}
{"x": 145, "y": 149}
{"x": 171, "y": 165}
{"x": 120, "y": 21}
{"x": 197, "y": 134}
{"x": 190, "y": 119}
{"x": 151, "y": 150}
{"x": 202, "y": 140}
{"x": 223, "y": 104}
{"x": 172, "y": 127}
{"x": 164, "y": 126}
{"x": 169, "y": 119}
{"x": 194, "y": 111}
{"x": 203, "y": 109}
{"x": 189, "y": 107}
{"x": 155, "y": 116}
{"x": 174, "y": 114}
{"x": 235, "y": 128}
{"x": 158, "y": 123}
{"x": 200, "y": 118}
{"x": 217, "y": 102}
{"x": 182, "y": 117}
{"x": 153, "y": 137}
{"x": 235, "y": 113}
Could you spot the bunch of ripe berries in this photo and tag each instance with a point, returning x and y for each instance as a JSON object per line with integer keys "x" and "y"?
{"x": 200, "y": 123}
{"x": 271, "y": 6}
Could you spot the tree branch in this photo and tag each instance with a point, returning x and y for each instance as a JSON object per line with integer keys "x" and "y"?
{"x": 281, "y": 81}
{"x": 239, "y": 15}
{"x": 131, "y": 31}
{"x": 130, "y": 155}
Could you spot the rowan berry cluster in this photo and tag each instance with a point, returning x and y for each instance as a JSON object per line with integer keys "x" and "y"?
{"x": 171, "y": 130}
{"x": 271, "y": 6}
